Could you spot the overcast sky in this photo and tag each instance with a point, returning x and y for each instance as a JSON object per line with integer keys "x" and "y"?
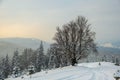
{"x": 39, "y": 18}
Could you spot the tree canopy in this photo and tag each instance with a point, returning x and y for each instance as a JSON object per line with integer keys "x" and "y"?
{"x": 75, "y": 40}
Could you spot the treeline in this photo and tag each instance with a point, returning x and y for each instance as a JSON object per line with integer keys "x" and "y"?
{"x": 34, "y": 59}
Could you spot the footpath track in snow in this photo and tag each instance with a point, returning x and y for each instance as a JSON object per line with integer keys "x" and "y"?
{"x": 84, "y": 71}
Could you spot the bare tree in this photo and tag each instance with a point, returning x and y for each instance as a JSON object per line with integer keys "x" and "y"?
{"x": 75, "y": 40}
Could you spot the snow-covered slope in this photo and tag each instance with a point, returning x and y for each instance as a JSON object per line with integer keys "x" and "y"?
{"x": 83, "y": 71}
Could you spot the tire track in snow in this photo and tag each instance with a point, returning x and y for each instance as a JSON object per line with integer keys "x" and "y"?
{"x": 76, "y": 76}
{"x": 97, "y": 75}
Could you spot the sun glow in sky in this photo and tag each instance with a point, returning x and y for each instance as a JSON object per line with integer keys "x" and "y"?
{"x": 39, "y": 18}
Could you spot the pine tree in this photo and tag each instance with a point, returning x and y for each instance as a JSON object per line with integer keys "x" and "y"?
{"x": 15, "y": 59}
{"x": 6, "y": 67}
{"x": 113, "y": 59}
{"x": 38, "y": 63}
{"x": 40, "y": 56}
{"x": 33, "y": 58}
{"x": 3, "y": 67}
{"x": 117, "y": 62}
{"x": 31, "y": 69}
{"x": 24, "y": 59}
{"x": 51, "y": 56}
{"x": 104, "y": 58}
{"x": 29, "y": 56}
{"x": 16, "y": 71}
{"x": 15, "y": 64}
{"x": 55, "y": 58}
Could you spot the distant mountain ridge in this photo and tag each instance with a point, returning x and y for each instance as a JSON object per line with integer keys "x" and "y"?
{"x": 9, "y": 45}
{"x": 110, "y": 45}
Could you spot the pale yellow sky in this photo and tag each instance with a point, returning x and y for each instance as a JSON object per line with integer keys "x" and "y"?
{"x": 28, "y": 31}
{"x": 39, "y": 18}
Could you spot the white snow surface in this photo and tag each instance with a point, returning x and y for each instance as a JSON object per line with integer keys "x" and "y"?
{"x": 83, "y": 71}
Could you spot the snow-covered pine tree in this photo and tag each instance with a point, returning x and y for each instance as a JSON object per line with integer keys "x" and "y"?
{"x": 31, "y": 69}
{"x": 25, "y": 58}
{"x": 2, "y": 68}
{"x": 46, "y": 59}
{"x": 40, "y": 56}
{"x": 33, "y": 58}
{"x": 55, "y": 58}
{"x": 5, "y": 67}
{"x": 51, "y": 53}
{"x": 16, "y": 71}
{"x": 15, "y": 59}
{"x": 15, "y": 64}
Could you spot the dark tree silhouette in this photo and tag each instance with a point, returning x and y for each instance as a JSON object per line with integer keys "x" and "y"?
{"x": 117, "y": 62}
{"x": 75, "y": 40}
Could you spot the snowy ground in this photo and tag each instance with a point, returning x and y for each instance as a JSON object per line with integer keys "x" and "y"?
{"x": 84, "y": 71}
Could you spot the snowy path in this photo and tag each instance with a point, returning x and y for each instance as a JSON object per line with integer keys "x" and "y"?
{"x": 86, "y": 71}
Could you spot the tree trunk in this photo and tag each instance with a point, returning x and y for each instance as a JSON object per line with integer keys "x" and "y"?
{"x": 74, "y": 61}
